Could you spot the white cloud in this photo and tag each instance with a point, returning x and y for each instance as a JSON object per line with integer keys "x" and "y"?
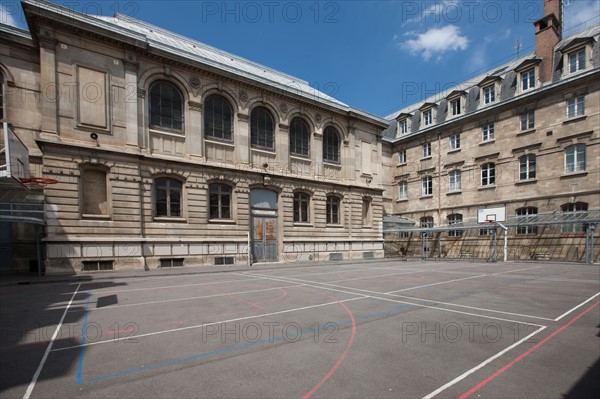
{"x": 8, "y": 14}
{"x": 436, "y": 41}
{"x": 580, "y": 14}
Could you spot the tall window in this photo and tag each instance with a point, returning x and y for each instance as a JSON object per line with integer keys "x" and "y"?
{"x": 331, "y": 145}
{"x": 301, "y": 207}
{"x": 455, "y": 218}
{"x": 366, "y": 212}
{"x": 572, "y": 211}
{"x": 403, "y": 190}
{"x": 426, "y": 222}
{"x": 576, "y": 107}
{"x": 168, "y": 197}
{"x": 332, "y": 210}
{"x": 426, "y": 150}
{"x": 489, "y": 94}
{"x": 427, "y": 186}
{"x": 402, "y": 156}
{"x": 528, "y": 80}
{"x": 403, "y": 126}
{"x": 525, "y": 215}
{"x": 454, "y": 181}
{"x": 299, "y": 137}
{"x": 218, "y": 118}
{"x": 487, "y": 132}
{"x": 488, "y": 174}
{"x": 527, "y": 167}
{"x": 528, "y": 120}
{"x": 1, "y": 97}
{"x": 575, "y": 158}
{"x": 262, "y": 128}
{"x": 455, "y": 142}
{"x": 166, "y": 106}
{"x": 94, "y": 193}
{"x": 455, "y": 105}
{"x": 219, "y": 201}
{"x": 427, "y": 117}
{"x": 577, "y": 60}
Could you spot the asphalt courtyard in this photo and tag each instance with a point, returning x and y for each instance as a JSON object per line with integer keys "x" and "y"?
{"x": 386, "y": 329}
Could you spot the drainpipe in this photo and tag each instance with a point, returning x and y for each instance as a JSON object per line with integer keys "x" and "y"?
{"x": 439, "y": 211}
{"x": 142, "y": 217}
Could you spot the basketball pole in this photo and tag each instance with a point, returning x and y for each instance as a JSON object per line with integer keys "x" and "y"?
{"x": 505, "y": 239}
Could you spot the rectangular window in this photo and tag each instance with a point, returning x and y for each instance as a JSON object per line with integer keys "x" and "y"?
{"x": 403, "y": 126}
{"x": 455, "y": 104}
{"x": 487, "y": 132}
{"x": 427, "y": 117}
{"x": 528, "y": 120}
{"x": 97, "y": 265}
{"x": 94, "y": 193}
{"x": 525, "y": 215}
{"x": 575, "y": 158}
{"x": 332, "y": 210}
{"x": 455, "y": 219}
{"x": 576, "y": 107}
{"x": 427, "y": 186}
{"x": 403, "y": 190}
{"x": 455, "y": 142}
{"x": 402, "y": 156}
{"x": 528, "y": 80}
{"x": 488, "y": 174}
{"x": 527, "y": 167}
{"x": 489, "y": 94}
{"x": 577, "y": 61}
{"x": 426, "y": 150}
{"x": 301, "y": 207}
{"x": 454, "y": 181}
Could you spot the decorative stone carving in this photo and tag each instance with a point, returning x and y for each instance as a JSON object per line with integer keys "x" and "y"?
{"x": 195, "y": 106}
{"x": 141, "y": 93}
{"x": 243, "y": 96}
{"x": 195, "y": 82}
{"x": 283, "y": 107}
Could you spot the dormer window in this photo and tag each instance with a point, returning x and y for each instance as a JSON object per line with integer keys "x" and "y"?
{"x": 427, "y": 118}
{"x": 403, "y": 121}
{"x": 528, "y": 79}
{"x": 490, "y": 89}
{"x": 489, "y": 94}
{"x": 577, "y": 55}
{"x": 577, "y": 60}
{"x": 457, "y": 101}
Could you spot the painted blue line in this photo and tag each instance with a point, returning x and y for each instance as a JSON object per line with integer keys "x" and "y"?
{"x": 83, "y": 339}
{"x": 282, "y": 337}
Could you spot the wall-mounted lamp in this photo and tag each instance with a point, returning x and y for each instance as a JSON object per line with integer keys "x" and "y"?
{"x": 266, "y": 180}
{"x": 94, "y": 136}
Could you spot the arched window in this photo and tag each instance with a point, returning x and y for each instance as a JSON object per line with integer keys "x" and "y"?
{"x": 166, "y": 106}
{"x": 218, "y": 118}
{"x": 455, "y": 218}
{"x": 219, "y": 201}
{"x": 262, "y": 128}
{"x": 332, "y": 210}
{"x": 572, "y": 211}
{"x": 299, "y": 137}
{"x": 525, "y": 214}
{"x": 167, "y": 193}
{"x": 301, "y": 207}
{"x": 331, "y": 145}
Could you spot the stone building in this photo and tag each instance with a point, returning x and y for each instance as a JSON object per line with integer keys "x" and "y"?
{"x": 168, "y": 152}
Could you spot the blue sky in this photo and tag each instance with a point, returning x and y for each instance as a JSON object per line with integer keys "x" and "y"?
{"x": 379, "y": 56}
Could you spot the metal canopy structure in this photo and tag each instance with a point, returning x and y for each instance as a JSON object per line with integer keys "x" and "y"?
{"x": 542, "y": 219}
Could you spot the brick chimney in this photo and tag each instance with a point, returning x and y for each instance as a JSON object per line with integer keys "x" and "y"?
{"x": 548, "y": 32}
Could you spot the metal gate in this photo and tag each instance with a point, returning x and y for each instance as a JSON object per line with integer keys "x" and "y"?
{"x": 264, "y": 239}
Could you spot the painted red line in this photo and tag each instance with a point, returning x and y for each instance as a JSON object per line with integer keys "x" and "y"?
{"x": 338, "y": 363}
{"x": 274, "y": 299}
{"x": 525, "y": 354}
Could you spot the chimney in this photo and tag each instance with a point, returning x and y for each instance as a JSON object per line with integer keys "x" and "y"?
{"x": 548, "y": 32}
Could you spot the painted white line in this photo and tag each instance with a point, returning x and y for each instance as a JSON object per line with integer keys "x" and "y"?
{"x": 518, "y": 270}
{"x": 480, "y": 365}
{"x": 308, "y": 284}
{"x": 206, "y": 324}
{"x": 192, "y": 298}
{"x": 379, "y": 275}
{"x": 576, "y": 307}
{"x": 441, "y": 282}
{"x": 49, "y": 348}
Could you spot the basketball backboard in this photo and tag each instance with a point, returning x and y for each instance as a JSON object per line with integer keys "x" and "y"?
{"x": 491, "y": 214}
{"x": 14, "y": 157}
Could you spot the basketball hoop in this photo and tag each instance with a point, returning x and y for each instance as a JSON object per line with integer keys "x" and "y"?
{"x": 37, "y": 182}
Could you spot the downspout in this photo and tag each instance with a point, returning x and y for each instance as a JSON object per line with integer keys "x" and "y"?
{"x": 439, "y": 211}
{"x": 142, "y": 216}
